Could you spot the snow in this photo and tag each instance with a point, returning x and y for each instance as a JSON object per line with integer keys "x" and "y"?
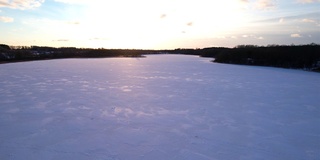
{"x": 160, "y": 107}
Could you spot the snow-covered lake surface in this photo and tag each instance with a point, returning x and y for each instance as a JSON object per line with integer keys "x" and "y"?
{"x": 161, "y": 107}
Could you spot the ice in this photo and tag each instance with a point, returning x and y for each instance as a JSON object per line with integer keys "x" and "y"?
{"x": 159, "y": 107}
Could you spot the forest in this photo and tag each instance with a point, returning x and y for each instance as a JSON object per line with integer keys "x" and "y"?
{"x": 306, "y": 57}
{"x": 25, "y": 53}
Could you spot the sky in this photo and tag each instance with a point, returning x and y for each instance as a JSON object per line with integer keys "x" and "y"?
{"x": 158, "y": 24}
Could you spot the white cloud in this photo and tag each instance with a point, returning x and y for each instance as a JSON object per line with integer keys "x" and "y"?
{"x": 163, "y": 16}
{"x": 244, "y": 4}
{"x": 308, "y": 20}
{"x": 234, "y": 37}
{"x": 244, "y": 1}
{"x": 74, "y": 22}
{"x": 6, "y": 19}
{"x": 245, "y": 36}
{"x": 261, "y": 38}
{"x": 252, "y": 36}
{"x": 295, "y": 35}
{"x": 308, "y": 1}
{"x": 281, "y": 20}
{"x": 265, "y": 4}
{"x": 76, "y": 1}
{"x": 189, "y": 23}
{"x": 21, "y": 4}
{"x": 221, "y": 37}
{"x": 62, "y": 40}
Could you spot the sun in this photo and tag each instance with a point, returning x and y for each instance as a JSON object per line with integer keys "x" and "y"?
{"x": 129, "y": 24}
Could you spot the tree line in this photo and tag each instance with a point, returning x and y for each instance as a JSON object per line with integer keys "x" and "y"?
{"x": 298, "y": 57}
{"x": 286, "y": 56}
{"x": 26, "y": 53}
{"x": 305, "y": 57}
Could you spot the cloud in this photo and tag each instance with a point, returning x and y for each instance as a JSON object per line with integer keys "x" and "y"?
{"x": 245, "y": 36}
{"x": 281, "y": 20}
{"x": 190, "y": 24}
{"x": 234, "y": 37}
{"x": 308, "y": 20}
{"x": 265, "y": 4}
{"x": 295, "y": 35}
{"x": 98, "y": 39}
{"x": 6, "y": 19}
{"x": 21, "y": 4}
{"x": 244, "y": 1}
{"x": 288, "y": 18}
{"x": 312, "y": 21}
{"x": 72, "y": 1}
{"x": 308, "y": 1}
{"x": 163, "y": 16}
{"x": 249, "y": 36}
{"x": 74, "y": 22}
{"x": 62, "y": 40}
{"x": 243, "y": 4}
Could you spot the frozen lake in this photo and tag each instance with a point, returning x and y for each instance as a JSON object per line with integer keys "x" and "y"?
{"x": 161, "y": 107}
